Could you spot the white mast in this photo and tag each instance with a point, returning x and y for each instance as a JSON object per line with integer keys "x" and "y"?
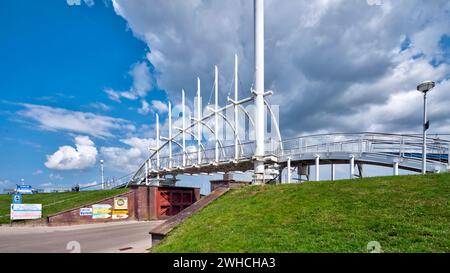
{"x": 199, "y": 125}
{"x": 236, "y": 97}
{"x": 170, "y": 135}
{"x": 158, "y": 164}
{"x": 216, "y": 110}
{"x": 259, "y": 91}
{"x": 183, "y": 127}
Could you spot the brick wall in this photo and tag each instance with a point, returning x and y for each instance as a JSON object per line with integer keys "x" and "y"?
{"x": 72, "y": 217}
{"x": 144, "y": 203}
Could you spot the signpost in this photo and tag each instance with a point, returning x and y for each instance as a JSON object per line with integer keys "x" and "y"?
{"x": 86, "y": 212}
{"x": 26, "y": 211}
{"x": 17, "y": 198}
{"x": 24, "y": 189}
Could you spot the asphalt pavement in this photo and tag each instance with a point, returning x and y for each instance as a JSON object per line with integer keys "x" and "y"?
{"x": 124, "y": 237}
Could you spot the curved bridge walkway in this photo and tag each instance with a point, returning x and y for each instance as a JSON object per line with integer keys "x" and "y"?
{"x": 387, "y": 150}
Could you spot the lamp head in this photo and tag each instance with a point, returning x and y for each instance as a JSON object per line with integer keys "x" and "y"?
{"x": 426, "y": 86}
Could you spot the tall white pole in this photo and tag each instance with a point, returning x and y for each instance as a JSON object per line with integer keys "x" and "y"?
{"x": 183, "y": 109}
{"x": 216, "y": 110}
{"x": 236, "y": 98}
{"x": 102, "y": 173}
{"x": 259, "y": 91}
{"x": 158, "y": 163}
{"x": 424, "y": 147}
{"x": 199, "y": 125}
{"x": 170, "y": 135}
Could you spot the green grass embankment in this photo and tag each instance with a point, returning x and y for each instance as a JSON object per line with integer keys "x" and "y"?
{"x": 403, "y": 214}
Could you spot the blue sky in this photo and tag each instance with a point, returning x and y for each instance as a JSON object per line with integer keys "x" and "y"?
{"x": 80, "y": 83}
{"x": 62, "y": 57}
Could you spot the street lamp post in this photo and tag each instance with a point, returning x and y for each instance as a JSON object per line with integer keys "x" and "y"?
{"x": 425, "y": 87}
{"x": 102, "y": 173}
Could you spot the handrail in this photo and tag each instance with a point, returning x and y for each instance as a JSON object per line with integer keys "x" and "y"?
{"x": 406, "y": 146}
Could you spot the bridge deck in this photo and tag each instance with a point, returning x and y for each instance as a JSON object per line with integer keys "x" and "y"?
{"x": 367, "y": 148}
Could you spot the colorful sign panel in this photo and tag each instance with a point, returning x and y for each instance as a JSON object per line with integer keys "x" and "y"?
{"x": 119, "y": 214}
{"x": 24, "y": 189}
{"x": 101, "y": 211}
{"x": 86, "y": 212}
{"x": 121, "y": 203}
{"x": 26, "y": 211}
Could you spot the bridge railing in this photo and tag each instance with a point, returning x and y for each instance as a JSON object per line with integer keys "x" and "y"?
{"x": 408, "y": 146}
{"x": 405, "y": 146}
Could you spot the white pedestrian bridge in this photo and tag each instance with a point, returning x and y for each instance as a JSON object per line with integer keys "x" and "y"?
{"x": 398, "y": 151}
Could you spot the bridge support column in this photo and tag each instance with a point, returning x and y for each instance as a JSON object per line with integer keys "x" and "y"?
{"x": 289, "y": 174}
{"x": 395, "y": 169}
{"x": 333, "y": 172}
{"x": 448, "y": 155}
{"x": 317, "y": 167}
{"x": 352, "y": 166}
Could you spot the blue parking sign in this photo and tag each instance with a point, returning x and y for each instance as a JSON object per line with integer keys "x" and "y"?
{"x": 17, "y": 198}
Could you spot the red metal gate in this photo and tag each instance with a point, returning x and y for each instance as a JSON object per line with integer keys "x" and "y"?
{"x": 171, "y": 201}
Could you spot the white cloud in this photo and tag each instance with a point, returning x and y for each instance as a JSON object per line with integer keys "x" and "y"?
{"x": 145, "y": 108}
{"x": 38, "y": 172}
{"x": 56, "y": 119}
{"x": 89, "y": 3}
{"x": 83, "y": 156}
{"x": 156, "y": 106}
{"x": 336, "y": 61}
{"x": 160, "y": 106}
{"x": 128, "y": 159}
{"x": 142, "y": 84}
{"x": 53, "y": 176}
{"x": 101, "y": 106}
{"x": 4, "y": 183}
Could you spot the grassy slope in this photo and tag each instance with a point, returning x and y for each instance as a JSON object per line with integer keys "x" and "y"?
{"x": 404, "y": 214}
{"x": 55, "y": 202}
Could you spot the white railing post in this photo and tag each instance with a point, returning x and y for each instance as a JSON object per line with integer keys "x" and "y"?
{"x": 289, "y": 177}
{"x": 333, "y": 172}
{"x": 216, "y": 110}
{"x": 448, "y": 154}
{"x": 317, "y": 167}
{"x": 352, "y": 166}
{"x": 183, "y": 109}
{"x": 199, "y": 125}
{"x": 236, "y": 97}
{"x": 395, "y": 169}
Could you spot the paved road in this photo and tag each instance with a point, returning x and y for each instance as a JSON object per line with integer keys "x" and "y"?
{"x": 123, "y": 237}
